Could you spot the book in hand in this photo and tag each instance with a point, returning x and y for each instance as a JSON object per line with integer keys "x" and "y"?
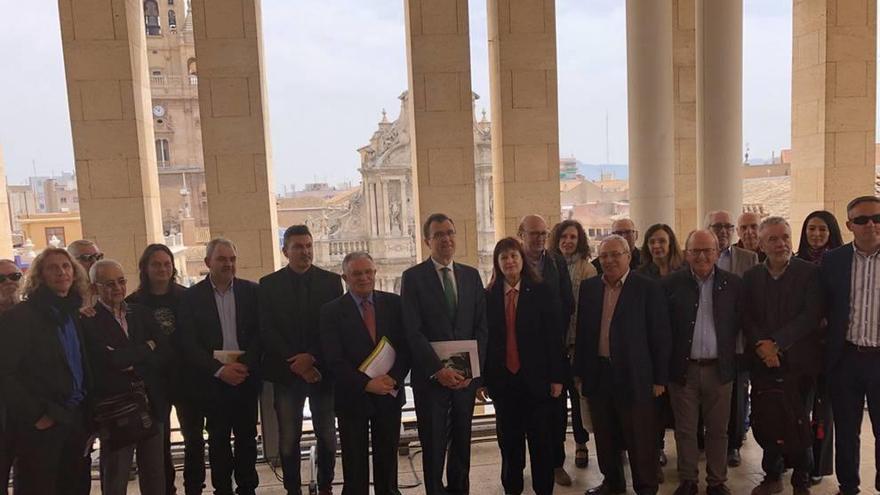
{"x": 460, "y": 355}
{"x": 380, "y": 361}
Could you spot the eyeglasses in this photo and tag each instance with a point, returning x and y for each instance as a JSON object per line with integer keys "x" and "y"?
{"x": 90, "y": 258}
{"x": 612, "y": 255}
{"x": 15, "y": 277}
{"x": 722, "y": 226}
{"x": 702, "y": 252}
{"x": 864, "y": 219}
{"x": 538, "y": 234}
{"x": 440, "y": 235}
{"x": 623, "y": 233}
{"x": 112, "y": 284}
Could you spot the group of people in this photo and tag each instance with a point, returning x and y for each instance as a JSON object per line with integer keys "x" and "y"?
{"x": 637, "y": 340}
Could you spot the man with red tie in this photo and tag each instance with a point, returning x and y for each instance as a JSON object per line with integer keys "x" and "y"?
{"x": 367, "y": 405}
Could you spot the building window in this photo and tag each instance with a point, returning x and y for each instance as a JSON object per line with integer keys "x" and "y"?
{"x": 151, "y": 18}
{"x": 163, "y": 153}
{"x": 57, "y": 233}
{"x": 172, "y": 19}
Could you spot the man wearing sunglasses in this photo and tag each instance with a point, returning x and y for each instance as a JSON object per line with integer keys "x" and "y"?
{"x": 10, "y": 278}
{"x": 85, "y": 252}
{"x": 851, "y": 276}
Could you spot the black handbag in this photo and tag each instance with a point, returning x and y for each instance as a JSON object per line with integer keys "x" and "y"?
{"x": 124, "y": 419}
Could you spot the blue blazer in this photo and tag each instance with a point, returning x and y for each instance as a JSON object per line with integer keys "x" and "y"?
{"x": 836, "y": 274}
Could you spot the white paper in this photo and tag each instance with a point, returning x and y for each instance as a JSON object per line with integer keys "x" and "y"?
{"x": 460, "y": 355}
{"x": 228, "y": 357}
{"x": 380, "y": 361}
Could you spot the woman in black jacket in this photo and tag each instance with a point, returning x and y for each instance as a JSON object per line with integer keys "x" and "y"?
{"x": 524, "y": 367}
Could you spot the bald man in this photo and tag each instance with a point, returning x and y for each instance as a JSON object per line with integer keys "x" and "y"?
{"x": 625, "y": 228}
{"x": 747, "y": 231}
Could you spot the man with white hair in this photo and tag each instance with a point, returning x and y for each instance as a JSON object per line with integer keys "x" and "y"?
{"x": 782, "y": 304}
{"x": 622, "y": 357}
{"x": 85, "y": 252}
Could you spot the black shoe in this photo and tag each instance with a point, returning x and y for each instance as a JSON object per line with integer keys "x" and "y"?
{"x": 718, "y": 490}
{"x": 733, "y": 458}
{"x": 581, "y": 456}
{"x": 686, "y": 487}
{"x": 604, "y": 489}
{"x": 663, "y": 459}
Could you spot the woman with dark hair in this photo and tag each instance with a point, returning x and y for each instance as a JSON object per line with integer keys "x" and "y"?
{"x": 569, "y": 240}
{"x": 159, "y": 291}
{"x": 661, "y": 254}
{"x": 820, "y": 233}
{"x": 524, "y": 367}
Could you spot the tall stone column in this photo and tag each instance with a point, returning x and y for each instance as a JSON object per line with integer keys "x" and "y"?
{"x": 650, "y": 108}
{"x": 441, "y": 117}
{"x": 685, "y": 111}
{"x": 235, "y": 140}
{"x": 525, "y": 113}
{"x": 5, "y": 220}
{"x": 833, "y": 104}
{"x": 719, "y": 105}
{"x": 108, "y": 93}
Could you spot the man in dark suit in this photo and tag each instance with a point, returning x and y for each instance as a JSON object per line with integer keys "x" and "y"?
{"x": 368, "y": 403}
{"x": 443, "y": 300}
{"x": 849, "y": 275}
{"x": 626, "y": 228}
{"x": 290, "y": 303}
{"x": 704, "y": 306}
{"x": 553, "y": 269}
{"x": 44, "y": 367}
{"x": 622, "y": 358}
{"x": 218, "y": 330}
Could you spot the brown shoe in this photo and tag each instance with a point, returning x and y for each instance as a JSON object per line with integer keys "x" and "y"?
{"x": 561, "y": 477}
{"x": 768, "y": 487}
{"x": 718, "y": 490}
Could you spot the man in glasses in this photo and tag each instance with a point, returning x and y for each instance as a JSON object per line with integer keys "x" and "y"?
{"x": 737, "y": 261}
{"x": 851, "y": 276}
{"x": 625, "y": 228}
{"x": 10, "y": 278}
{"x": 704, "y": 305}
{"x": 533, "y": 232}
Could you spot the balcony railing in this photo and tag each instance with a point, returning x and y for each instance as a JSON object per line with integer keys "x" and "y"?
{"x": 171, "y": 81}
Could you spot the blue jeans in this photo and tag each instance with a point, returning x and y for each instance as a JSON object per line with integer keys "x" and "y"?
{"x": 289, "y": 402}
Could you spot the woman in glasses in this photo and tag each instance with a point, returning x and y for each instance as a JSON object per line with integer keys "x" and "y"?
{"x": 820, "y": 233}
{"x": 158, "y": 290}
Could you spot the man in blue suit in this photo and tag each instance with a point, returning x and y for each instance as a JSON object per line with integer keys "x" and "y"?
{"x": 851, "y": 276}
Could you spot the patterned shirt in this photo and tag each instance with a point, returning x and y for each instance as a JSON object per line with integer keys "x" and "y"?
{"x": 864, "y": 301}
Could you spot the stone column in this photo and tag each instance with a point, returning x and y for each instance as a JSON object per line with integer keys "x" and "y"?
{"x": 441, "y": 116}
{"x": 385, "y": 230}
{"x": 525, "y": 116}
{"x": 834, "y": 83}
{"x": 685, "y": 111}
{"x": 108, "y": 94}
{"x": 235, "y": 141}
{"x": 5, "y": 220}
{"x": 650, "y": 109}
{"x": 719, "y": 105}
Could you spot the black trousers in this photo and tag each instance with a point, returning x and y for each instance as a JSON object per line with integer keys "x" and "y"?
{"x": 823, "y": 430}
{"x": 620, "y": 424}
{"x": 51, "y": 461}
{"x": 559, "y": 418}
{"x": 444, "y": 419}
{"x": 191, "y": 417}
{"x": 855, "y": 377}
{"x": 519, "y": 418}
{"x": 234, "y": 413}
{"x": 739, "y": 406}
{"x": 378, "y": 427}
{"x": 7, "y": 456}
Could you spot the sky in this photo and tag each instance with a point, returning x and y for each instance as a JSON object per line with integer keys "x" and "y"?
{"x": 333, "y": 65}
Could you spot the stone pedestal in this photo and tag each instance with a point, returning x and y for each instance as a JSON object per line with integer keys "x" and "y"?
{"x": 834, "y": 81}
{"x": 108, "y": 92}
{"x": 441, "y": 118}
{"x": 719, "y": 105}
{"x": 525, "y": 114}
{"x": 233, "y": 108}
{"x": 650, "y": 109}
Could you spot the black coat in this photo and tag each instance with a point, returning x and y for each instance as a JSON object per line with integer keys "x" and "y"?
{"x": 200, "y": 334}
{"x": 540, "y": 353}
{"x": 35, "y": 379}
{"x": 787, "y": 311}
{"x": 283, "y": 331}
{"x": 836, "y": 278}
{"x": 683, "y": 296}
{"x": 426, "y": 319}
{"x": 555, "y": 276}
{"x": 640, "y": 341}
{"x": 112, "y": 353}
{"x": 345, "y": 343}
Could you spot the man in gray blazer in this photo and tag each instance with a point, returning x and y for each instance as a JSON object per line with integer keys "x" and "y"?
{"x": 737, "y": 261}
{"x": 443, "y": 300}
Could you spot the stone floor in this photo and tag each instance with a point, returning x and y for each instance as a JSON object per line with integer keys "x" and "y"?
{"x": 486, "y": 466}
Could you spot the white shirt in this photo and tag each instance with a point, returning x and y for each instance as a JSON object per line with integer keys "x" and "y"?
{"x": 438, "y": 267}
{"x": 226, "y": 311}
